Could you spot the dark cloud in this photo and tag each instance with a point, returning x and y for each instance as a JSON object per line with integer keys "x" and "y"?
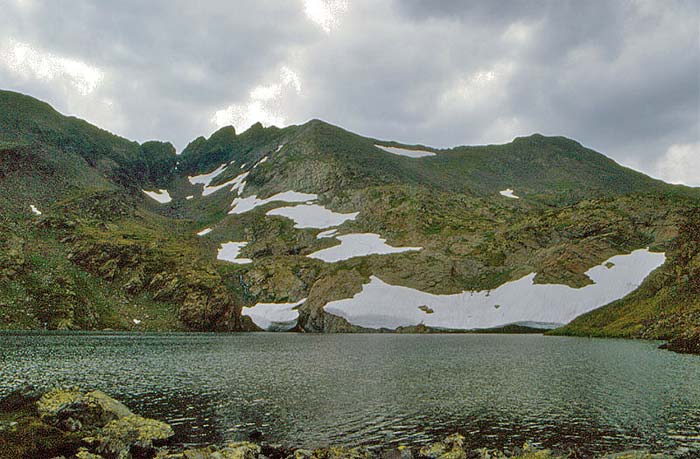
{"x": 620, "y": 76}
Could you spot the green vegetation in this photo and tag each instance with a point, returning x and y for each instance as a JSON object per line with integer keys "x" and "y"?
{"x": 104, "y": 256}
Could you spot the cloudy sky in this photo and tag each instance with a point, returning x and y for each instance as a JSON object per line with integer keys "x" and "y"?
{"x": 622, "y": 77}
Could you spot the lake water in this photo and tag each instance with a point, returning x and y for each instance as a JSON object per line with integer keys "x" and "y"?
{"x": 591, "y": 395}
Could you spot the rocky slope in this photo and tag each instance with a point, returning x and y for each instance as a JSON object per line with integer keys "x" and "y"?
{"x": 268, "y": 227}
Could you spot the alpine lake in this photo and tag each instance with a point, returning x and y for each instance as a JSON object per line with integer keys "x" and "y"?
{"x": 306, "y": 390}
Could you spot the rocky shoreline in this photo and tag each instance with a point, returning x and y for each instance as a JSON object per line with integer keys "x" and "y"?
{"x": 70, "y": 423}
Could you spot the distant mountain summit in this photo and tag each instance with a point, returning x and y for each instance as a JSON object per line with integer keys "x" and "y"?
{"x": 314, "y": 228}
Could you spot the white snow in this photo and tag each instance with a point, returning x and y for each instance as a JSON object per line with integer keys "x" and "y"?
{"x": 241, "y": 205}
{"x": 229, "y": 252}
{"x": 264, "y": 159}
{"x": 327, "y": 233}
{"x": 136, "y": 321}
{"x": 162, "y": 196}
{"x": 382, "y": 305}
{"x": 358, "y": 245}
{"x": 274, "y": 316}
{"x": 205, "y": 179}
{"x": 236, "y": 184}
{"x": 312, "y": 216}
{"x": 405, "y": 152}
{"x": 508, "y": 193}
{"x": 189, "y": 197}
{"x": 243, "y": 165}
{"x": 279, "y": 148}
{"x": 204, "y": 231}
{"x": 35, "y": 211}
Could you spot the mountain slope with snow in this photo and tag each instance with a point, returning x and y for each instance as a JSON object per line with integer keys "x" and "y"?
{"x": 368, "y": 233}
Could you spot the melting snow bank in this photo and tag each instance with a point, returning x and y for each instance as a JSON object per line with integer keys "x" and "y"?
{"x": 313, "y": 216}
{"x": 35, "y": 211}
{"x": 405, "y": 152}
{"x": 229, "y": 252}
{"x": 205, "y": 179}
{"x": 237, "y": 183}
{"x": 274, "y": 316}
{"x": 382, "y": 305}
{"x": 241, "y": 205}
{"x": 162, "y": 196}
{"x": 508, "y": 193}
{"x": 358, "y": 245}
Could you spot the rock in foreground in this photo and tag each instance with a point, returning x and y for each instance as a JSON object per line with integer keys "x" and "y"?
{"x": 75, "y": 424}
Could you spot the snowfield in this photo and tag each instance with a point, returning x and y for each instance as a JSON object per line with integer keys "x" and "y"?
{"x": 205, "y": 179}
{"x": 162, "y": 196}
{"x": 358, "y": 245}
{"x": 236, "y": 184}
{"x": 229, "y": 252}
{"x": 312, "y": 216}
{"x": 241, "y": 205}
{"x": 35, "y": 211}
{"x": 382, "y": 305}
{"x": 405, "y": 152}
{"x": 508, "y": 193}
{"x": 274, "y": 316}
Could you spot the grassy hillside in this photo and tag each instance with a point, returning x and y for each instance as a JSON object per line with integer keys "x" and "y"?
{"x": 667, "y": 304}
{"x": 103, "y": 255}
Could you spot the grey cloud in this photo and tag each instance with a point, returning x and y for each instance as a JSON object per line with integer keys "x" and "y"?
{"x": 619, "y": 76}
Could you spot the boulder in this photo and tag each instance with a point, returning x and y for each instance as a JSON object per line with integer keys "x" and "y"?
{"x": 235, "y": 450}
{"x": 72, "y": 410}
{"x": 131, "y": 436}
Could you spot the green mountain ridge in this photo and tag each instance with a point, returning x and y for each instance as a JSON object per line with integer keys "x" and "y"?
{"x": 104, "y": 255}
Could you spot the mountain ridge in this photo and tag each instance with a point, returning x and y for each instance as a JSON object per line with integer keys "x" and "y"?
{"x": 575, "y": 208}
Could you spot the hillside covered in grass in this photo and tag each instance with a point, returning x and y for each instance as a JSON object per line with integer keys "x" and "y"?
{"x": 273, "y": 228}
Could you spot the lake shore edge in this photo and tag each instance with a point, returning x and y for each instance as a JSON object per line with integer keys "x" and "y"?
{"x": 71, "y": 423}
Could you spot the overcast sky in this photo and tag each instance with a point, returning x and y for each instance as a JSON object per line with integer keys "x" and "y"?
{"x": 622, "y": 77}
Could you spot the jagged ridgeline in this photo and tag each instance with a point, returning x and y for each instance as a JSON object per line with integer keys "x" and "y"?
{"x": 314, "y": 228}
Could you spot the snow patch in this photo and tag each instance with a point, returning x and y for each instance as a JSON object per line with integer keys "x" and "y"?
{"x": 136, "y": 321}
{"x": 279, "y": 148}
{"x": 35, "y": 211}
{"x": 205, "y": 179}
{"x": 358, "y": 245}
{"x": 327, "y": 233}
{"x": 274, "y": 316}
{"x": 405, "y": 152}
{"x": 241, "y": 205}
{"x": 508, "y": 193}
{"x": 204, "y": 231}
{"x": 189, "y": 197}
{"x": 312, "y": 216}
{"x": 229, "y": 252}
{"x": 236, "y": 184}
{"x": 162, "y": 196}
{"x": 264, "y": 159}
{"x": 382, "y": 305}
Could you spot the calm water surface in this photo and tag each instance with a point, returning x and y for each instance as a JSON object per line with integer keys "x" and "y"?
{"x": 310, "y": 390}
